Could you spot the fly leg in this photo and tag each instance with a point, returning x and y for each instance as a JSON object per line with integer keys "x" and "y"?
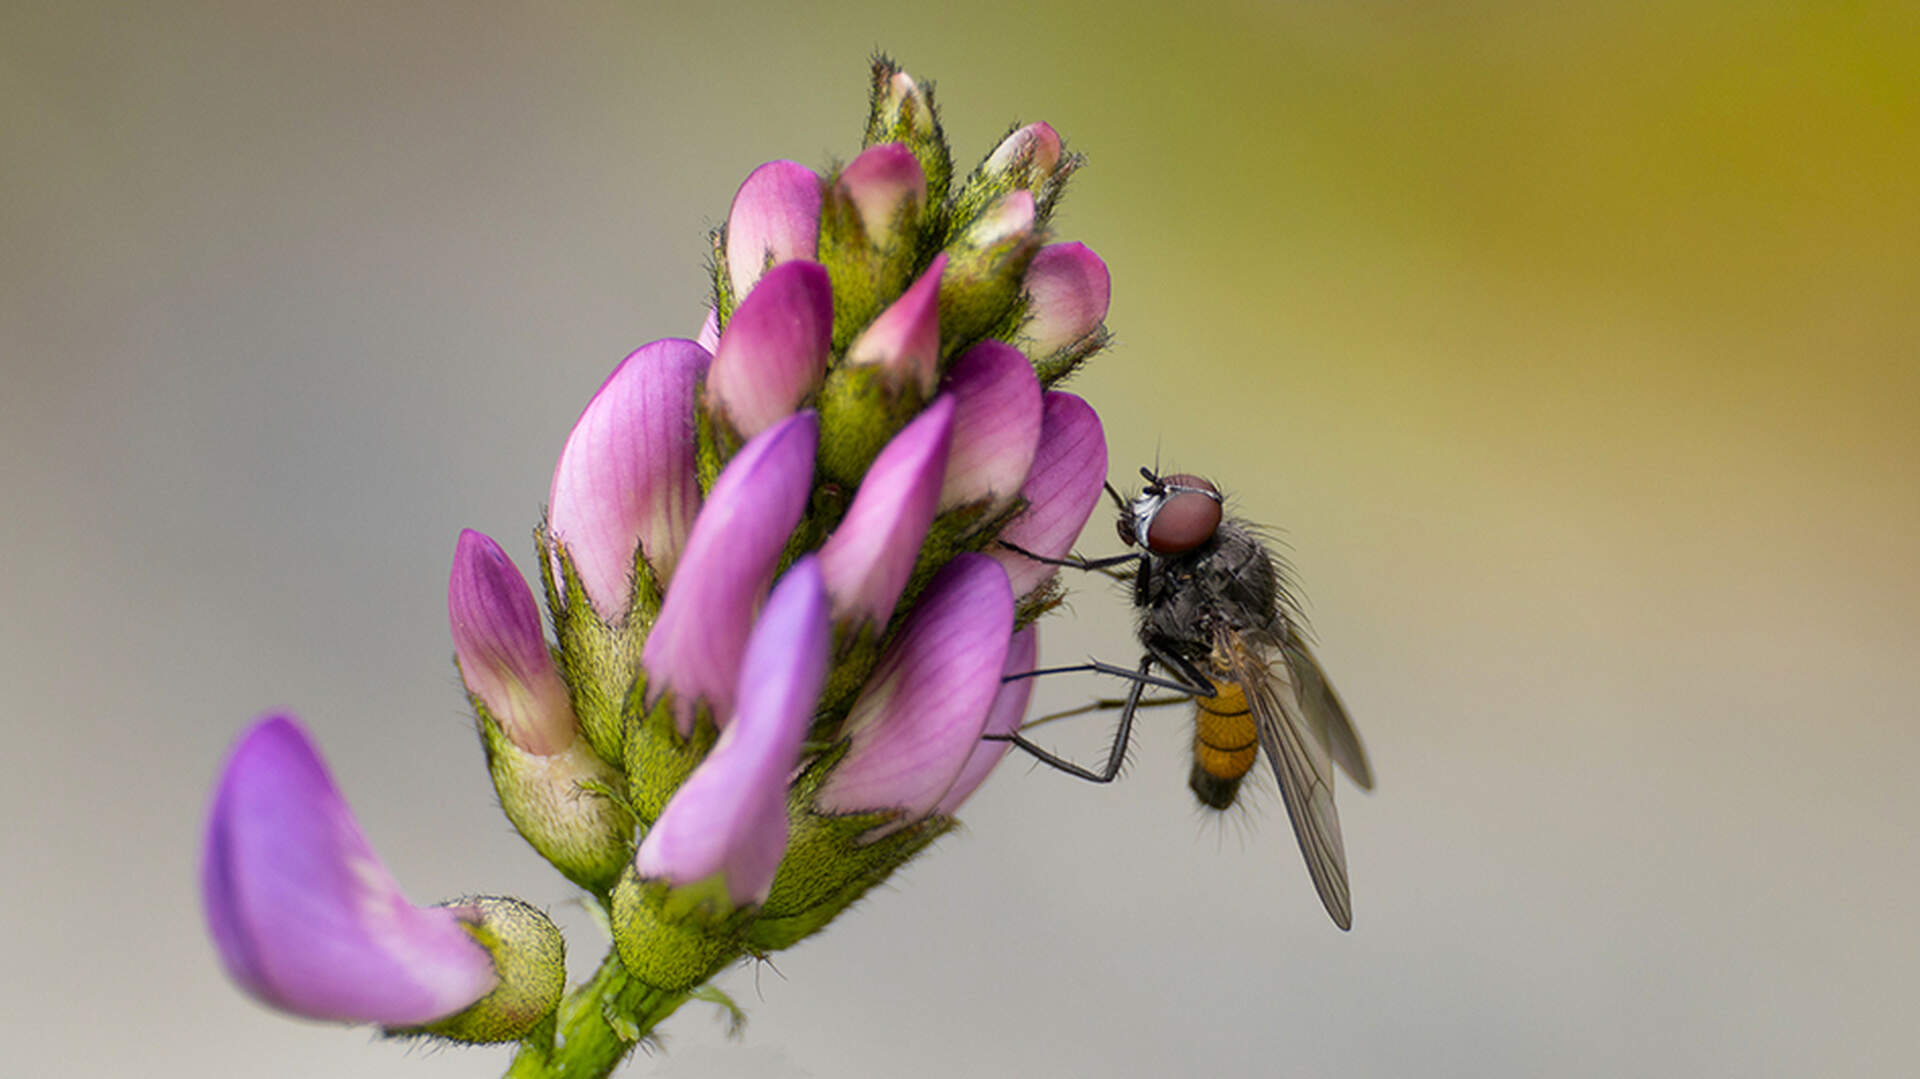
{"x": 1102, "y": 704}
{"x": 1102, "y": 566}
{"x": 1123, "y": 731}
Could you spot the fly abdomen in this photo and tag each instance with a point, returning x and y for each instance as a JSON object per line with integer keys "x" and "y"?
{"x": 1225, "y": 743}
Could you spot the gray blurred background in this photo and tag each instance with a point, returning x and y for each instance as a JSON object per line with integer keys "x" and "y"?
{"x": 1573, "y": 349}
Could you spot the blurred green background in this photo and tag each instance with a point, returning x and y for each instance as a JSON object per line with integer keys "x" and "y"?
{"x": 1572, "y": 348}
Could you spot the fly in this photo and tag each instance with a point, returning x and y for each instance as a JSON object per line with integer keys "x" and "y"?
{"x": 1214, "y": 614}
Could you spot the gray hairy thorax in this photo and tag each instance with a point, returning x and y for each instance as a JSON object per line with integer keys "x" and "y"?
{"x": 1230, "y": 582}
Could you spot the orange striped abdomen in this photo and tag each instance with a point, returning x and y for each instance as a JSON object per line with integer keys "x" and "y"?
{"x": 1225, "y": 743}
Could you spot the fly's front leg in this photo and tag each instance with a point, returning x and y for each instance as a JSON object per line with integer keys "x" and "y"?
{"x": 1123, "y": 731}
{"x": 1102, "y": 566}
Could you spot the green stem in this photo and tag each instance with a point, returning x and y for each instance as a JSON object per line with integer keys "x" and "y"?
{"x": 599, "y": 1023}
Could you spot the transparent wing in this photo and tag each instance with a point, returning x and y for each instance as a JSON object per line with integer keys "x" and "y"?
{"x": 1296, "y": 746}
{"x": 1323, "y": 705}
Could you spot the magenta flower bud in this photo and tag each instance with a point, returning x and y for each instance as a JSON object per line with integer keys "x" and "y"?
{"x": 729, "y": 818}
{"x": 1067, "y": 293}
{"x": 916, "y": 723}
{"x": 694, "y": 648}
{"x": 867, "y": 560}
{"x": 501, "y": 649}
{"x": 773, "y": 353}
{"x": 304, "y": 915}
{"x": 1061, "y": 490}
{"x": 1009, "y": 709}
{"x": 1029, "y": 155}
{"x": 996, "y": 425}
{"x": 887, "y": 189}
{"x": 775, "y": 218}
{"x": 904, "y": 340}
{"x": 625, "y": 483}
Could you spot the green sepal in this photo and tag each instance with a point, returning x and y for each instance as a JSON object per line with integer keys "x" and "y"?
{"x": 1038, "y": 603}
{"x": 714, "y": 443}
{"x": 659, "y": 758}
{"x": 866, "y": 276}
{"x": 982, "y": 290}
{"x": 831, "y": 862}
{"x": 861, "y": 408}
{"x": 724, "y": 300}
{"x": 1054, "y": 369}
{"x": 599, "y": 662}
{"x": 530, "y": 958}
{"x": 675, "y": 937}
{"x": 570, "y": 806}
{"x": 915, "y": 123}
{"x": 855, "y": 650}
{"x": 982, "y": 188}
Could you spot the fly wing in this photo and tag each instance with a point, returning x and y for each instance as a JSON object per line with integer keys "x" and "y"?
{"x": 1320, "y": 701}
{"x": 1295, "y": 743}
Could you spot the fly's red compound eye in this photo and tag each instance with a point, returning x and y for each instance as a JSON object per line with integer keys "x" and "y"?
{"x": 1187, "y": 518}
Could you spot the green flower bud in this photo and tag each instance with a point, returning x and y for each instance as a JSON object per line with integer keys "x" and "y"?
{"x": 673, "y": 938}
{"x": 871, "y": 224}
{"x": 901, "y": 110}
{"x": 981, "y": 290}
{"x": 529, "y": 955}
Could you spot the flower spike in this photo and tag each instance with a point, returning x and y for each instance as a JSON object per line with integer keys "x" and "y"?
{"x": 624, "y": 486}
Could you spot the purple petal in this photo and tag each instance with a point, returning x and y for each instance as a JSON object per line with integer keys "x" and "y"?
{"x": 695, "y": 645}
{"x": 881, "y": 183}
{"x": 625, "y": 479}
{"x": 905, "y": 338}
{"x": 1068, "y": 290}
{"x": 773, "y": 352}
{"x": 730, "y": 817}
{"x": 775, "y": 217}
{"x": 996, "y": 425}
{"x": 922, "y": 711}
{"x": 501, "y": 648}
{"x": 709, "y": 337}
{"x": 304, "y": 915}
{"x": 1068, "y": 470}
{"x": 1033, "y": 150}
{"x": 871, "y": 554}
{"x": 1009, "y": 709}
